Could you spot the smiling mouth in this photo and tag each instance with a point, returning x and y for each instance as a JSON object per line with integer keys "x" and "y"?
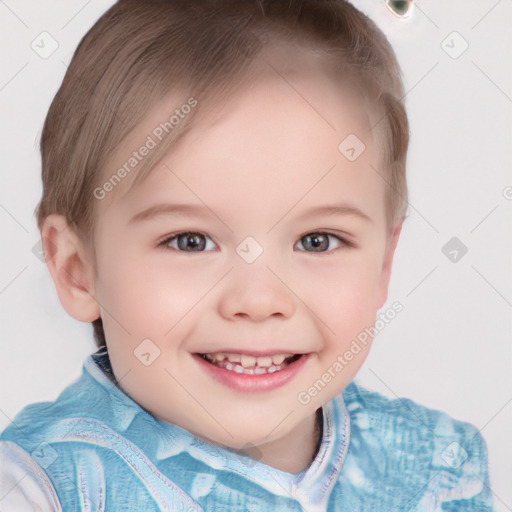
{"x": 250, "y": 365}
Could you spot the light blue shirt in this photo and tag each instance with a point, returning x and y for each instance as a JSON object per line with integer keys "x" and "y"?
{"x": 95, "y": 449}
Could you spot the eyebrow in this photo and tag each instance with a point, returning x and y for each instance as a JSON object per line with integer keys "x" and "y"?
{"x": 200, "y": 211}
{"x": 170, "y": 209}
{"x": 337, "y": 209}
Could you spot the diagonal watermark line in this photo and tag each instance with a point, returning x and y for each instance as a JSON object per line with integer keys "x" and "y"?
{"x": 13, "y": 13}
{"x": 312, "y": 106}
{"x": 175, "y": 175}
{"x": 422, "y": 490}
{"x": 494, "y": 288}
{"x": 76, "y": 14}
{"x": 401, "y": 400}
{"x": 198, "y": 402}
{"x": 420, "y": 80}
{"x": 407, "y": 92}
{"x": 13, "y": 487}
{"x": 485, "y": 15}
{"x": 495, "y": 495}
{"x": 12, "y": 280}
{"x": 494, "y": 416}
{"x": 425, "y": 14}
{"x": 301, "y": 300}
{"x": 14, "y": 218}
{"x": 11, "y": 421}
{"x": 423, "y": 280}
{"x": 198, "y": 301}
{"x": 14, "y": 76}
{"x": 280, "y": 423}
{"x": 485, "y": 218}
{"x": 83, "y": 489}
{"x": 492, "y": 81}
{"x": 406, "y": 200}
{"x": 301, "y": 198}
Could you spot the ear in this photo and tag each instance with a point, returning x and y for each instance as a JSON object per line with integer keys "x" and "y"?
{"x": 71, "y": 268}
{"x": 387, "y": 264}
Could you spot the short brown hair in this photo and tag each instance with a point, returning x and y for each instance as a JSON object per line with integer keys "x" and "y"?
{"x": 139, "y": 51}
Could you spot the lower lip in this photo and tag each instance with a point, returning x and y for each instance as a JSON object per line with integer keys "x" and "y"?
{"x": 253, "y": 383}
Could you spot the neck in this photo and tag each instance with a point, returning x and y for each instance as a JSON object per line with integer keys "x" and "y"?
{"x": 292, "y": 453}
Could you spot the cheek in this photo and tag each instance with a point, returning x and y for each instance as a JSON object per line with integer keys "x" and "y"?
{"x": 148, "y": 295}
{"x": 343, "y": 297}
{"x": 344, "y": 283}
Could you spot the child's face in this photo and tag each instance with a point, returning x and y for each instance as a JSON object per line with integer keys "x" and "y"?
{"x": 265, "y": 170}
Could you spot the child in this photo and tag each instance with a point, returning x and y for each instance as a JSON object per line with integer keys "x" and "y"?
{"x": 224, "y": 189}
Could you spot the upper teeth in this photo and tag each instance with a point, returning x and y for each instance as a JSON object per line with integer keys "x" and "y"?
{"x": 249, "y": 361}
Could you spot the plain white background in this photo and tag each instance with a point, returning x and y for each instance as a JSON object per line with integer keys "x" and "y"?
{"x": 450, "y": 347}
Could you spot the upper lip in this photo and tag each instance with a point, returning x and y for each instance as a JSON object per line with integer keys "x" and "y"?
{"x": 254, "y": 353}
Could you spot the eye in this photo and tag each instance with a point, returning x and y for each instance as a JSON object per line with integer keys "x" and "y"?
{"x": 321, "y": 242}
{"x": 189, "y": 242}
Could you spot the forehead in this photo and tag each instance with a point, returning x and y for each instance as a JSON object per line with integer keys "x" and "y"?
{"x": 295, "y": 115}
{"x": 281, "y": 121}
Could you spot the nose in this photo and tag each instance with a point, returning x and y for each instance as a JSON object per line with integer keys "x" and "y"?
{"x": 254, "y": 292}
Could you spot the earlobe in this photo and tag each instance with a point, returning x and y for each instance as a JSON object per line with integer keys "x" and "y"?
{"x": 387, "y": 264}
{"x": 71, "y": 269}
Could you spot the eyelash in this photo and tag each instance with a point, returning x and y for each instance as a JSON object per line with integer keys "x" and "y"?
{"x": 343, "y": 241}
